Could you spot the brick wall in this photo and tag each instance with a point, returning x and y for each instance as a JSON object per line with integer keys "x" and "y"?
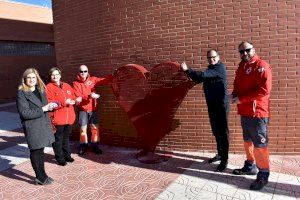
{"x": 108, "y": 34}
{"x": 12, "y": 68}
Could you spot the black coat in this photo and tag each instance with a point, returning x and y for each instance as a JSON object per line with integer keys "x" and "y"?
{"x": 36, "y": 123}
{"x": 214, "y": 80}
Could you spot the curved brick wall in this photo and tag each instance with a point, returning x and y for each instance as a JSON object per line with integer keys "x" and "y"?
{"x": 109, "y": 34}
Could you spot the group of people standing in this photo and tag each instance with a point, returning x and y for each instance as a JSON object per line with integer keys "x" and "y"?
{"x": 252, "y": 86}
{"x": 251, "y": 93}
{"x": 47, "y": 115}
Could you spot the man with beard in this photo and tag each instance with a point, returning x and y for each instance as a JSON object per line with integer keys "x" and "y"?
{"x": 214, "y": 80}
{"x": 252, "y": 87}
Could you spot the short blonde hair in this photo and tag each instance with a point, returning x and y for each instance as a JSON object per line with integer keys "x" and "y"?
{"x": 39, "y": 81}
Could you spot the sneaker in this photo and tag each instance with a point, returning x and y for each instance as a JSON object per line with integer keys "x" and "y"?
{"x": 258, "y": 184}
{"x": 96, "y": 150}
{"x": 222, "y": 166}
{"x": 214, "y": 159}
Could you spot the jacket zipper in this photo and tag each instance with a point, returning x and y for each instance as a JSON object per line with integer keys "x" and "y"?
{"x": 67, "y": 118}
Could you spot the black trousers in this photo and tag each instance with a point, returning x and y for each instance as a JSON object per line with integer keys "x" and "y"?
{"x": 218, "y": 116}
{"x": 61, "y": 146}
{"x": 38, "y": 163}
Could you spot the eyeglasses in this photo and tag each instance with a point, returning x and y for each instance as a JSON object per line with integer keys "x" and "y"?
{"x": 30, "y": 77}
{"x": 211, "y": 57}
{"x": 85, "y": 71}
{"x": 246, "y": 50}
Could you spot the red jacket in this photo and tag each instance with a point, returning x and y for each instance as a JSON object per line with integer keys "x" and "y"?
{"x": 64, "y": 114}
{"x": 85, "y": 88}
{"x": 252, "y": 85}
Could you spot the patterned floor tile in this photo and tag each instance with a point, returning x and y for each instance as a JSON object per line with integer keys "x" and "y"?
{"x": 211, "y": 196}
{"x": 116, "y": 174}
{"x": 252, "y": 195}
{"x": 284, "y": 195}
{"x": 177, "y": 191}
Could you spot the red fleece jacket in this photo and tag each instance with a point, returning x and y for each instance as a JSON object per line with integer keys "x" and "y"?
{"x": 252, "y": 85}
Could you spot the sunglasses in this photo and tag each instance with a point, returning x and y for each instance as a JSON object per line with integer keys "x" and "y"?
{"x": 246, "y": 50}
{"x": 85, "y": 71}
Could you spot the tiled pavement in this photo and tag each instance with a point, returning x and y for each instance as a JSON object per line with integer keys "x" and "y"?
{"x": 118, "y": 175}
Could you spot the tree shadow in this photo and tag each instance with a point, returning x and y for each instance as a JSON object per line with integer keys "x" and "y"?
{"x": 16, "y": 174}
{"x": 13, "y": 152}
{"x": 20, "y": 154}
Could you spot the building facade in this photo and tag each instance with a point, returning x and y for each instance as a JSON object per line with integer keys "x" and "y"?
{"x": 26, "y": 40}
{"x": 106, "y": 35}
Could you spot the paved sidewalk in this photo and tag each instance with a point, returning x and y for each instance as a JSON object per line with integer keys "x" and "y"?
{"x": 118, "y": 175}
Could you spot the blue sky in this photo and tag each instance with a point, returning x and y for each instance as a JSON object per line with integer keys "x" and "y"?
{"x": 45, "y": 3}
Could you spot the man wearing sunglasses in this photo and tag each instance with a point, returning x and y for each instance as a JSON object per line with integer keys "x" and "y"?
{"x": 251, "y": 92}
{"x": 85, "y": 91}
{"x": 214, "y": 80}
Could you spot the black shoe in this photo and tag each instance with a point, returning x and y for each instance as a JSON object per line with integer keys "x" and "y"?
{"x": 222, "y": 166}
{"x": 214, "y": 159}
{"x": 96, "y": 150}
{"x": 61, "y": 162}
{"x": 249, "y": 168}
{"x": 69, "y": 159}
{"x": 51, "y": 179}
{"x": 245, "y": 172}
{"x": 82, "y": 148}
{"x": 258, "y": 184}
{"x": 46, "y": 182}
{"x": 81, "y": 151}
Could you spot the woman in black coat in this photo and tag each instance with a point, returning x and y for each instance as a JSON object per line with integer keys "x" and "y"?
{"x": 33, "y": 106}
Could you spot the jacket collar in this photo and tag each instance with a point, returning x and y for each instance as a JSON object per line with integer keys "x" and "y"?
{"x": 31, "y": 97}
{"x": 252, "y": 60}
{"x": 54, "y": 84}
{"x": 216, "y": 65}
{"x": 79, "y": 79}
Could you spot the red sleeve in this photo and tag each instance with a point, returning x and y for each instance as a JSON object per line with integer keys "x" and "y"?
{"x": 72, "y": 92}
{"x": 53, "y": 98}
{"x": 49, "y": 94}
{"x": 78, "y": 91}
{"x": 103, "y": 81}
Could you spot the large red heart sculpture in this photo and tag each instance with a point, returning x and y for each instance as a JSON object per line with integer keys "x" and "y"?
{"x": 150, "y": 99}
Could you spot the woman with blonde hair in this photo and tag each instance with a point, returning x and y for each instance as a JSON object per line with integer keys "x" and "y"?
{"x": 33, "y": 106}
{"x": 63, "y": 116}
